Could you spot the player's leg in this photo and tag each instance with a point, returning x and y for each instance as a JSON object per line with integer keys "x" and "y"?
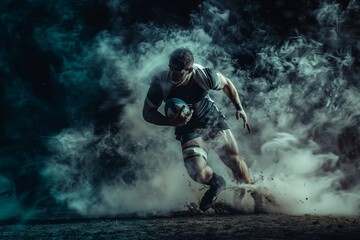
{"x": 226, "y": 147}
{"x": 195, "y": 156}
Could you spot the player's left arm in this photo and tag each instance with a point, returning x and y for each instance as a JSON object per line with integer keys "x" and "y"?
{"x": 229, "y": 89}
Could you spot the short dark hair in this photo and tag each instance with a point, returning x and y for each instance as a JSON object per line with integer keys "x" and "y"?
{"x": 180, "y": 59}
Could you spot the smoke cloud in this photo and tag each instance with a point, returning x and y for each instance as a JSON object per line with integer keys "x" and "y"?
{"x": 74, "y": 78}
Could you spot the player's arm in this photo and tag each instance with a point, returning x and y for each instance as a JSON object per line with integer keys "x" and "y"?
{"x": 152, "y": 115}
{"x": 229, "y": 89}
{"x": 152, "y": 102}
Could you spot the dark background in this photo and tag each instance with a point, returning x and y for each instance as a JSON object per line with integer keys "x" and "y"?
{"x": 50, "y": 77}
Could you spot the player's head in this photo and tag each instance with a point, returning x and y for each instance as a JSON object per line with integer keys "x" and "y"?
{"x": 180, "y": 64}
{"x": 181, "y": 59}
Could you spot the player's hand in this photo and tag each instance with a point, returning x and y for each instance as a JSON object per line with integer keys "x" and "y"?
{"x": 181, "y": 118}
{"x": 241, "y": 114}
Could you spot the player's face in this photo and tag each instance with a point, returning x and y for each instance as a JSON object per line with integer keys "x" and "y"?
{"x": 178, "y": 76}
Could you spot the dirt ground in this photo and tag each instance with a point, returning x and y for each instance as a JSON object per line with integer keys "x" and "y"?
{"x": 188, "y": 226}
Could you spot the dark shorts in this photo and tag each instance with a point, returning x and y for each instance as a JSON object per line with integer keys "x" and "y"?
{"x": 205, "y": 130}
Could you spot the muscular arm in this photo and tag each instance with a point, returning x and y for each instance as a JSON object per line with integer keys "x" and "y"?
{"x": 229, "y": 89}
{"x": 152, "y": 115}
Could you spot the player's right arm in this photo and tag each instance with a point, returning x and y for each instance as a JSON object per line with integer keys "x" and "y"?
{"x": 152, "y": 103}
{"x": 152, "y": 115}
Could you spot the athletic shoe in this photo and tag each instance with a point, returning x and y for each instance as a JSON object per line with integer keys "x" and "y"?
{"x": 216, "y": 185}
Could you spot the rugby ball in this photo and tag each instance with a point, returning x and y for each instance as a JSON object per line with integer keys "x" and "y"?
{"x": 172, "y": 106}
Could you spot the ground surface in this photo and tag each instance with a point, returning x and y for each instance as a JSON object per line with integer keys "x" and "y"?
{"x": 188, "y": 226}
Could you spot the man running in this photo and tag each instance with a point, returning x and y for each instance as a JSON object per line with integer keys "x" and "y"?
{"x": 203, "y": 124}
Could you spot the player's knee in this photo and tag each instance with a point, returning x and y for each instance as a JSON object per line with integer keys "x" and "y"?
{"x": 204, "y": 175}
{"x": 200, "y": 175}
{"x": 194, "y": 151}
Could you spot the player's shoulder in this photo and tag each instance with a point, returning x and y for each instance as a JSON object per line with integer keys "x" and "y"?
{"x": 206, "y": 77}
{"x": 198, "y": 68}
{"x": 202, "y": 71}
{"x": 199, "y": 71}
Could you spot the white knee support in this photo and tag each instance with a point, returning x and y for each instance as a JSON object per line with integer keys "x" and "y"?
{"x": 194, "y": 151}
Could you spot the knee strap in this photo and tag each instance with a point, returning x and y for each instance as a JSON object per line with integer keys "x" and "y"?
{"x": 194, "y": 151}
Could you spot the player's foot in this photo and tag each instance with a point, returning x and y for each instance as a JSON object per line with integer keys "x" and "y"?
{"x": 216, "y": 185}
{"x": 207, "y": 200}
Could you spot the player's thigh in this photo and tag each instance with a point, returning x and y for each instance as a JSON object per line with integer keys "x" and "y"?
{"x": 225, "y": 144}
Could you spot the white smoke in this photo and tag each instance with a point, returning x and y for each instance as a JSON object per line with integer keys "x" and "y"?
{"x": 284, "y": 107}
{"x": 10, "y": 206}
{"x": 162, "y": 183}
{"x": 290, "y": 170}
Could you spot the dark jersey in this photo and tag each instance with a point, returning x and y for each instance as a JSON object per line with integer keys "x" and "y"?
{"x": 195, "y": 94}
